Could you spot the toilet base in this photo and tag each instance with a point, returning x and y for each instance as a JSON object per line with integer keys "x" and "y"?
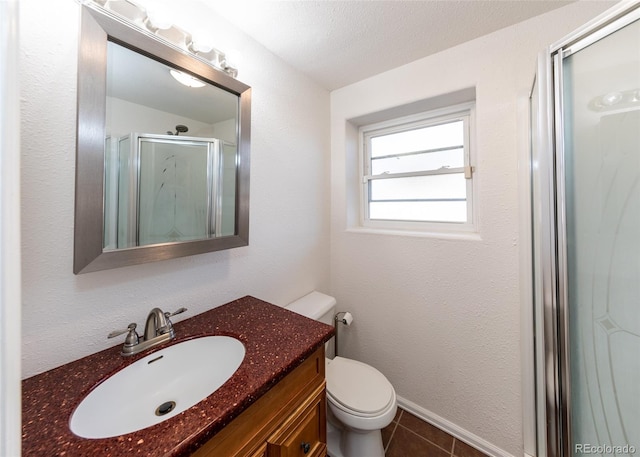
{"x": 351, "y": 443}
{"x": 333, "y": 441}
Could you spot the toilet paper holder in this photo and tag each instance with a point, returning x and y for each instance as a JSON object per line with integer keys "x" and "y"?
{"x": 343, "y": 317}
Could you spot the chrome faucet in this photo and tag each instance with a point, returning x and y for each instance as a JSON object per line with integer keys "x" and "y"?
{"x": 158, "y": 324}
{"x": 158, "y": 329}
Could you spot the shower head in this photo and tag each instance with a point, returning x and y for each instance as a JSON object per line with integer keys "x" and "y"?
{"x": 181, "y": 129}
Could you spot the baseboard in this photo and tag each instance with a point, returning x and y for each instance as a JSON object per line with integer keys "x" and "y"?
{"x": 452, "y": 429}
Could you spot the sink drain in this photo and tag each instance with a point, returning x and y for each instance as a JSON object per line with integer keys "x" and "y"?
{"x": 165, "y": 408}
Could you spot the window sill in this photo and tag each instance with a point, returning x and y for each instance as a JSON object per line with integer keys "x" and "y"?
{"x": 469, "y": 235}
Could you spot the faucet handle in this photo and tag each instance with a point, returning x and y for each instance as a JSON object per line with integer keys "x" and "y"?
{"x": 120, "y": 332}
{"x": 132, "y": 336}
{"x": 178, "y": 311}
{"x": 168, "y": 325}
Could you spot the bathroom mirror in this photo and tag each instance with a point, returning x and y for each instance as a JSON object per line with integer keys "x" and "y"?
{"x": 162, "y": 159}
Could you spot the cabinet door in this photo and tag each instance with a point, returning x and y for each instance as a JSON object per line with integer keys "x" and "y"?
{"x": 303, "y": 434}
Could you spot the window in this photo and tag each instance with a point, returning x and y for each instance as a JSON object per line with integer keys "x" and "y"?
{"x": 416, "y": 171}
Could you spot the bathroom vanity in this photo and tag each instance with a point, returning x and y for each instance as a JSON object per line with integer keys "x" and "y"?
{"x": 273, "y": 405}
{"x": 289, "y": 420}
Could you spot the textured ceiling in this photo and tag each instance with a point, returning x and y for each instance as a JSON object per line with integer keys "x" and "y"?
{"x": 339, "y": 42}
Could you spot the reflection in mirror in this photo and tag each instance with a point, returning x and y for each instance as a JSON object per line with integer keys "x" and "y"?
{"x": 163, "y": 150}
{"x": 176, "y": 181}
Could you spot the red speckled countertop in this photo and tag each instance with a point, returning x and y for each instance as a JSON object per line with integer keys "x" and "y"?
{"x": 276, "y": 341}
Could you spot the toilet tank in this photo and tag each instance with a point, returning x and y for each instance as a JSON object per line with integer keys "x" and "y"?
{"x": 319, "y": 307}
{"x": 316, "y": 306}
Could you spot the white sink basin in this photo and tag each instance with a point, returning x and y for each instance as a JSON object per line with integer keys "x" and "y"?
{"x": 157, "y": 387}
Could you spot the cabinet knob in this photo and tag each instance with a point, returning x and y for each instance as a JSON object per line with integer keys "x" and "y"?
{"x": 306, "y": 447}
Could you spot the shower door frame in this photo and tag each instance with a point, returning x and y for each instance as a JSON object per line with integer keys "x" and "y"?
{"x": 551, "y": 358}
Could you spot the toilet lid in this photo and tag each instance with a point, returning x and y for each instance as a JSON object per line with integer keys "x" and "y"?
{"x": 358, "y": 387}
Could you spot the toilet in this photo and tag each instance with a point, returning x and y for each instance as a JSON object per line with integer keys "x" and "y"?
{"x": 360, "y": 400}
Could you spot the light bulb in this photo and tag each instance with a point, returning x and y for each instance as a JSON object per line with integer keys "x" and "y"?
{"x": 201, "y": 42}
{"x": 159, "y": 19}
{"x": 233, "y": 58}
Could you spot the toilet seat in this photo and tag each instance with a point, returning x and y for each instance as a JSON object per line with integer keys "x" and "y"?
{"x": 358, "y": 388}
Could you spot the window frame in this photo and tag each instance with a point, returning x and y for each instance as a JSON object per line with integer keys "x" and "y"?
{"x": 463, "y": 112}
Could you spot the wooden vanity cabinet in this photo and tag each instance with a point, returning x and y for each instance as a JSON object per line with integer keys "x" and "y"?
{"x": 287, "y": 421}
{"x": 301, "y": 434}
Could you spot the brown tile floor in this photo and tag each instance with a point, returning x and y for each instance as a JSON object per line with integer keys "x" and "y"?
{"x": 408, "y": 436}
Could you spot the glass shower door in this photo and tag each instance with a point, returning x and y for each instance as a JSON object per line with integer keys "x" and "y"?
{"x": 600, "y": 172}
{"x": 175, "y": 190}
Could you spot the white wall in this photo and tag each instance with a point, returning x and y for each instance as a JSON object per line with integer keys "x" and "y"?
{"x": 441, "y": 317}
{"x": 132, "y": 117}
{"x": 65, "y": 316}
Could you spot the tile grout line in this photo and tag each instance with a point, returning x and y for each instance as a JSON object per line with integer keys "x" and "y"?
{"x": 425, "y": 438}
{"x": 453, "y": 439}
{"x": 450, "y": 453}
{"x": 393, "y": 432}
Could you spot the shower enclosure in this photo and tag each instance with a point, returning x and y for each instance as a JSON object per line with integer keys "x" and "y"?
{"x": 585, "y": 181}
{"x": 167, "y": 188}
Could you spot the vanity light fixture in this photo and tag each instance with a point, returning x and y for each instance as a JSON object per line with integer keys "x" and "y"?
{"x": 200, "y": 42}
{"x": 186, "y": 79}
{"x": 158, "y": 22}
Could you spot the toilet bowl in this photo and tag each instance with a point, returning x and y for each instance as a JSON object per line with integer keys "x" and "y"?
{"x": 360, "y": 399}
{"x": 361, "y": 402}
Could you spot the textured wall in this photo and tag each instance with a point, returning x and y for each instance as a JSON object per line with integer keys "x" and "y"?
{"x": 65, "y": 316}
{"x": 441, "y": 316}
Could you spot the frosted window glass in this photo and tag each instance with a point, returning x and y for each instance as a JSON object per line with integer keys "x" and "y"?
{"x": 453, "y": 158}
{"x": 420, "y": 211}
{"x": 452, "y": 186}
{"x": 421, "y": 139}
